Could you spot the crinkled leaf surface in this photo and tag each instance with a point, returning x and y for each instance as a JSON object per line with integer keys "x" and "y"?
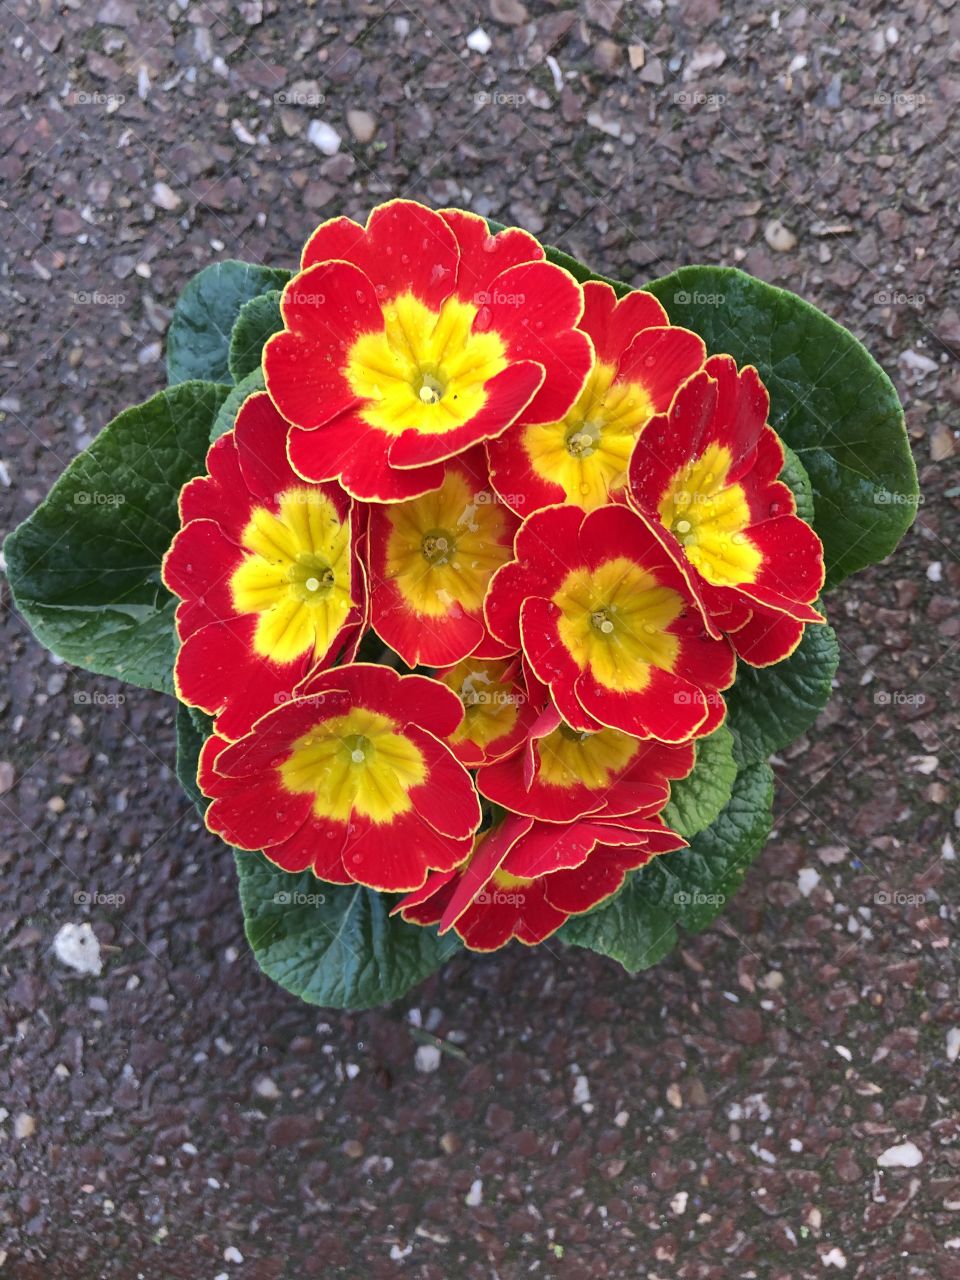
{"x": 770, "y": 706}
{"x": 695, "y": 801}
{"x": 687, "y": 888}
{"x": 84, "y": 568}
{"x": 198, "y": 341}
{"x": 258, "y": 319}
{"x": 227, "y": 416}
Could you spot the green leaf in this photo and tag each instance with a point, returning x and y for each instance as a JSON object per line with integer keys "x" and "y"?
{"x": 231, "y": 406}
{"x": 198, "y": 342}
{"x": 333, "y": 945}
{"x": 696, "y": 883}
{"x": 190, "y": 736}
{"x": 687, "y": 888}
{"x": 794, "y": 476}
{"x": 696, "y": 800}
{"x": 258, "y": 319}
{"x": 84, "y": 568}
{"x": 770, "y": 706}
{"x": 830, "y": 401}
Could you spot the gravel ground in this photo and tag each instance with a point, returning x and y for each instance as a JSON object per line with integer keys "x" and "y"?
{"x": 721, "y": 1115}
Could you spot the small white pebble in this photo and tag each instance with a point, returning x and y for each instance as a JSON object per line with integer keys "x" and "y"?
{"x": 474, "y": 1196}
{"x": 807, "y": 880}
{"x": 835, "y": 1258}
{"x": 232, "y": 1254}
{"x": 266, "y": 1088}
{"x": 906, "y": 1155}
{"x": 324, "y": 137}
{"x": 478, "y": 41}
{"x": 427, "y": 1058}
{"x": 934, "y": 571}
{"x": 621, "y": 1118}
{"x": 24, "y": 1126}
{"x": 844, "y": 1052}
{"x": 679, "y": 1203}
{"x": 78, "y": 946}
{"x": 953, "y": 1044}
{"x": 581, "y": 1090}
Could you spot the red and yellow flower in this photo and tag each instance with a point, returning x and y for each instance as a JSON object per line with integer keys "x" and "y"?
{"x": 525, "y": 878}
{"x": 607, "y": 621}
{"x": 431, "y": 559}
{"x": 705, "y": 476}
{"x": 563, "y": 774}
{"x": 497, "y": 710}
{"x": 350, "y": 780}
{"x": 268, "y": 571}
{"x": 582, "y": 457}
{"x": 411, "y": 339}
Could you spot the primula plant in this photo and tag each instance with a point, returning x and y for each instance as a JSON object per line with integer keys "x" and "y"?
{"x": 486, "y": 586}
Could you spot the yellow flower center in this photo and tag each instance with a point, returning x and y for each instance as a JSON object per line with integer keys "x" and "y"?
{"x": 425, "y": 370}
{"x": 588, "y": 453}
{"x": 489, "y": 705}
{"x": 614, "y": 622}
{"x": 709, "y": 516}
{"x": 355, "y": 764}
{"x": 592, "y": 759}
{"x": 444, "y": 547}
{"x": 296, "y": 575}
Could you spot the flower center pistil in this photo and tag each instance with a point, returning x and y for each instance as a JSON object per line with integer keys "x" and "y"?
{"x": 602, "y": 620}
{"x": 431, "y": 388}
{"x": 311, "y": 578}
{"x": 582, "y": 441}
{"x": 358, "y": 748}
{"x": 438, "y": 546}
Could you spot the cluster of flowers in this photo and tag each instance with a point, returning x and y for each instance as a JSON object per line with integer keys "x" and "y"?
{"x": 548, "y": 499}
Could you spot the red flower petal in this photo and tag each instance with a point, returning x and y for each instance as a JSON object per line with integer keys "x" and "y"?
{"x": 484, "y": 255}
{"x": 325, "y": 309}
